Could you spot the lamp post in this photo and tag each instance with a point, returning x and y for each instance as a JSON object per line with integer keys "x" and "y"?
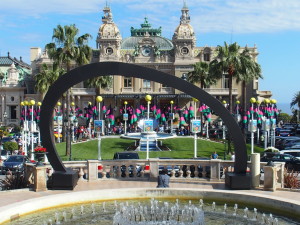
{"x": 273, "y": 102}
{"x": 125, "y": 118}
{"x": 99, "y": 99}
{"x": 75, "y": 124}
{"x": 267, "y": 130}
{"x": 258, "y": 113}
{"x": 223, "y": 125}
{"x": 148, "y": 99}
{"x": 39, "y": 104}
{"x": 195, "y": 133}
{"x": 26, "y": 129}
{"x": 172, "y": 116}
{"x": 252, "y": 101}
{"x": 58, "y": 121}
{"x": 32, "y": 103}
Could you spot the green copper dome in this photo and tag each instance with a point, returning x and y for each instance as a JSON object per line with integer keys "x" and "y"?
{"x": 161, "y": 42}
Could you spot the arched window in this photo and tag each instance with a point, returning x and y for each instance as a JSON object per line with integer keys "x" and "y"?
{"x": 206, "y": 54}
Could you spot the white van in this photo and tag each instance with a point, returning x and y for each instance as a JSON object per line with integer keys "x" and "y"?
{"x": 293, "y": 152}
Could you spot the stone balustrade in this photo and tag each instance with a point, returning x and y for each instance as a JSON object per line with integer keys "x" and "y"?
{"x": 178, "y": 169}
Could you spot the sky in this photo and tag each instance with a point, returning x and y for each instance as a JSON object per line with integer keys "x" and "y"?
{"x": 272, "y": 25}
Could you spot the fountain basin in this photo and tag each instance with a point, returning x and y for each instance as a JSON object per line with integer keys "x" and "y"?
{"x": 288, "y": 208}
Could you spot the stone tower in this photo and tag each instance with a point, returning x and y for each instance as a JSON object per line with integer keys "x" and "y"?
{"x": 184, "y": 38}
{"x": 109, "y": 38}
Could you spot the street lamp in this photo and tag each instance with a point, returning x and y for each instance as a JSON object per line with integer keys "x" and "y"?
{"x": 39, "y": 104}
{"x": 125, "y": 117}
{"x": 195, "y": 133}
{"x": 252, "y": 130}
{"x": 258, "y": 113}
{"x": 58, "y": 120}
{"x": 99, "y": 99}
{"x": 273, "y": 102}
{"x": 32, "y": 104}
{"x": 172, "y": 116}
{"x": 148, "y": 99}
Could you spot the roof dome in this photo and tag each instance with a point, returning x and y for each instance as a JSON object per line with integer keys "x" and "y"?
{"x": 109, "y": 30}
{"x": 161, "y": 42}
{"x": 184, "y": 30}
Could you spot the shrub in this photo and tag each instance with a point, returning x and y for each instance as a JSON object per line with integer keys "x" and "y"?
{"x": 13, "y": 181}
{"x": 291, "y": 180}
{"x": 10, "y": 146}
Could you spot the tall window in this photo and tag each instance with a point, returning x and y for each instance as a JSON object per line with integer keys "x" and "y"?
{"x": 13, "y": 112}
{"x": 146, "y": 84}
{"x": 127, "y": 82}
{"x": 225, "y": 81}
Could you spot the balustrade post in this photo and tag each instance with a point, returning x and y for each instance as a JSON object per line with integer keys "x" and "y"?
{"x": 40, "y": 181}
{"x": 81, "y": 173}
{"x": 215, "y": 167}
{"x": 153, "y": 169}
{"x": 180, "y": 172}
{"x": 92, "y": 170}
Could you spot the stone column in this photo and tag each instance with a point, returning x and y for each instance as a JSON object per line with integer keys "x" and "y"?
{"x": 93, "y": 170}
{"x": 270, "y": 178}
{"x": 255, "y": 170}
{"x": 40, "y": 178}
{"x": 215, "y": 169}
{"x": 153, "y": 169}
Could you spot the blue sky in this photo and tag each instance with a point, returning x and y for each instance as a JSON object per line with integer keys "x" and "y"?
{"x": 273, "y": 25}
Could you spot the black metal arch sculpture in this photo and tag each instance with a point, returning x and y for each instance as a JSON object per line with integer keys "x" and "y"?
{"x": 89, "y": 71}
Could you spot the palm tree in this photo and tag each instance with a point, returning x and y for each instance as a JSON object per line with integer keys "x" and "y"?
{"x": 46, "y": 78}
{"x": 65, "y": 49}
{"x": 229, "y": 60}
{"x": 100, "y": 82}
{"x": 250, "y": 71}
{"x": 200, "y": 75}
{"x": 296, "y": 101}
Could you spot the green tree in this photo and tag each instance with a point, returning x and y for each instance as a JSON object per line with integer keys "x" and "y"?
{"x": 46, "y": 78}
{"x": 296, "y": 101}
{"x": 230, "y": 60}
{"x": 201, "y": 75}
{"x": 67, "y": 47}
{"x": 286, "y": 118}
{"x": 250, "y": 71}
{"x": 100, "y": 82}
{"x": 10, "y": 146}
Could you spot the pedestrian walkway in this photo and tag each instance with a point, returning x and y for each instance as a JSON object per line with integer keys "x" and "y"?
{"x": 15, "y": 196}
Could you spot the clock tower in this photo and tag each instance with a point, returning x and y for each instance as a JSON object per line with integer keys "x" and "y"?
{"x": 109, "y": 38}
{"x": 184, "y": 39}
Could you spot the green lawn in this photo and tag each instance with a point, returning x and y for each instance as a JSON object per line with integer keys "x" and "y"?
{"x": 182, "y": 148}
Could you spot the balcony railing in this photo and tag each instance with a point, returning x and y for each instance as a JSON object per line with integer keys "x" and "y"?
{"x": 84, "y": 91}
{"x": 127, "y": 90}
{"x": 220, "y": 91}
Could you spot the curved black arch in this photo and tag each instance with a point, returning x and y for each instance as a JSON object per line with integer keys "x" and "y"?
{"x": 82, "y": 73}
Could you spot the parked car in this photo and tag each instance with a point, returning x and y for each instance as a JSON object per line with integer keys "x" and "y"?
{"x": 285, "y": 132}
{"x": 15, "y": 163}
{"x": 279, "y": 144}
{"x": 293, "y": 152}
{"x": 291, "y": 162}
{"x": 127, "y": 156}
{"x": 5, "y": 154}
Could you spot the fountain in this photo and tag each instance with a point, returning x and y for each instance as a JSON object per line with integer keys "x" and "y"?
{"x": 151, "y": 137}
{"x": 152, "y": 211}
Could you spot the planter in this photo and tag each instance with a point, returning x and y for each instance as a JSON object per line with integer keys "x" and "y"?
{"x": 40, "y": 158}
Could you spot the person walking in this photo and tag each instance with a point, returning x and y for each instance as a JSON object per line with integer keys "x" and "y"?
{"x": 163, "y": 179}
